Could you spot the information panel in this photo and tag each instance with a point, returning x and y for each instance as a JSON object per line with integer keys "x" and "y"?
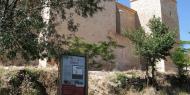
{"x": 73, "y": 75}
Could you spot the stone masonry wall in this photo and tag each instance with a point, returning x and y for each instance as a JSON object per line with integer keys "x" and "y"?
{"x": 170, "y": 17}
{"x": 99, "y": 27}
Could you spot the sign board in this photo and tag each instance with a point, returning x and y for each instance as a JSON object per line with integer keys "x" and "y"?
{"x": 73, "y": 75}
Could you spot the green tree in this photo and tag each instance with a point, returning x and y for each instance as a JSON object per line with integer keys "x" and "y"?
{"x": 181, "y": 60}
{"x": 185, "y": 43}
{"x": 103, "y": 49}
{"x": 21, "y": 23}
{"x": 153, "y": 46}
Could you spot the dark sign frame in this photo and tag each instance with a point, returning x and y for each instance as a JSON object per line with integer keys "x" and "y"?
{"x": 61, "y": 73}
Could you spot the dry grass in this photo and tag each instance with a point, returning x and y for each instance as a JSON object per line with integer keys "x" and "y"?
{"x": 100, "y": 82}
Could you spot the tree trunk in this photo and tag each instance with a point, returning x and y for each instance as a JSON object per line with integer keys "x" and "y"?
{"x": 153, "y": 71}
{"x": 153, "y": 79}
{"x": 180, "y": 71}
{"x": 147, "y": 74}
{"x": 59, "y": 86}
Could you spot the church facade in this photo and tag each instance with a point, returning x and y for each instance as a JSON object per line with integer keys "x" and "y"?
{"x": 116, "y": 18}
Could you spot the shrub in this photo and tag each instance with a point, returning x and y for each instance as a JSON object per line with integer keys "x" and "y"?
{"x": 181, "y": 60}
{"x": 117, "y": 83}
{"x": 29, "y": 82}
{"x": 121, "y": 79}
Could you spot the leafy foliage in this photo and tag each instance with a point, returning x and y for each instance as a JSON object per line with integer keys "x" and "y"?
{"x": 121, "y": 79}
{"x": 29, "y": 81}
{"x": 181, "y": 59}
{"x": 183, "y": 43}
{"x": 154, "y": 46}
{"x": 21, "y": 23}
{"x": 103, "y": 49}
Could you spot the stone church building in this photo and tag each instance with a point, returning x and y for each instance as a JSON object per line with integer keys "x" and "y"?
{"x": 117, "y": 18}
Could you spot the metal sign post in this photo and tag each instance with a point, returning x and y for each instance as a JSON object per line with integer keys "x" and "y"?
{"x": 73, "y": 75}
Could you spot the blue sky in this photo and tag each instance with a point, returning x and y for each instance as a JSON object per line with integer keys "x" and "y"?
{"x": 183, "y": 14}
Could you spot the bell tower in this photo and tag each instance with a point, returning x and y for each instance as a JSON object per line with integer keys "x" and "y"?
{"x": 166, "y": 10}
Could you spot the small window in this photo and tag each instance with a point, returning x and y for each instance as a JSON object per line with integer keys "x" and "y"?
{"x": 170, "y": 13}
